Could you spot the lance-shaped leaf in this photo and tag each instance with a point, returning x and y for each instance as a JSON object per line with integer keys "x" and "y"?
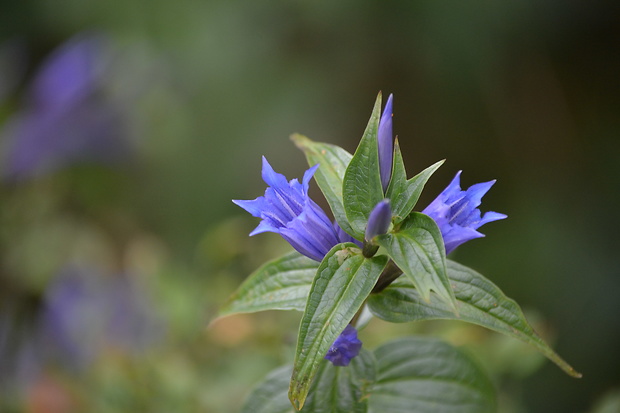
{"x": 361, "y": 187}
{"x": 271, "y": 396}
{"x": 342, "y": 283}
{"x": 479, "y": 301}
{"x": 342, "y": 390}
{"x": 417, "y": 249}
{"x": 428, "y": 375}
{"x": 281, "y": 284}
{"x": 404, "y": 193}
{"x": 334, "y": 389}
{"x": 333, "y": 161}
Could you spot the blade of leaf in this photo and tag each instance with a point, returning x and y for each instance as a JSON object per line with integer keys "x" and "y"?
{"x": 342, "y": 390}
{"x": 361, "y": 187}
{"x": 334, "y": 161}
{"x": 418, "y": 249}
{"x": 334, "y": 389}
{"x": 340, "y": 287}
{"x": 280, "y": 284}
{"x": 403, "y": 193}
{"x": 479, "y": 301}
{"x": 271, "y": 396}
{"x": 418, "y": 374}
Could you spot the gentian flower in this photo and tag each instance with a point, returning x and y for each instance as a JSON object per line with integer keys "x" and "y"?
{"x": 379, "y": 220}
{"x": 345, "y": 347}
{"x": 386, "y": 144}
{"x": 457, "y": 215}
{"x": 286, "y": 209}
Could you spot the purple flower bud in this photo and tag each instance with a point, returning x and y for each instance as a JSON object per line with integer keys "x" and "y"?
{"x": 386, "y": 144}
{"x": 345, "y": 347}
{"x": 287, "y": 209}
{"x": 379, "y": 220}
{"x": 457, "y": 215}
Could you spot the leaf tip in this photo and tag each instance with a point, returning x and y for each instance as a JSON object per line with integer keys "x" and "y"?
{"x": 299, "y": 140}
{"x": 297, "y": 402}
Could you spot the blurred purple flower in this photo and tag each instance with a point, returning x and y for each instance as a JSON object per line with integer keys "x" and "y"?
{"x": 385, "y": 140}
{"x": 67, "y": 118}
{"x": 286, "y": 209}
{"x": 457, "y": 215}
{"x": 345, "y": 347}
{"x": 85, "y": 313}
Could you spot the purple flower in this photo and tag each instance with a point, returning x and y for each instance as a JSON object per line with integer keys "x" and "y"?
{"x": 379, "y": 220}
{"x": 286, "y": 209}
{"x": 85, "y": 313}
{"x": 457, "y": 215}
{"x": 345, "y": 347}
{"x": 67, "y": 118}
{"x": 386, "y": 144}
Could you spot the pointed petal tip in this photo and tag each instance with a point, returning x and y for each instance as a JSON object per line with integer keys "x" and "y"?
{"x": 389, "y": 103}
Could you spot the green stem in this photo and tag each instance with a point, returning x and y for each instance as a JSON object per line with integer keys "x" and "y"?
{"x": 390, "y": 273}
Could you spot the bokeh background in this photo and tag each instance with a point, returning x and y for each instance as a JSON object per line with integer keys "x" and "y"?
{"x": 127, "y": 126}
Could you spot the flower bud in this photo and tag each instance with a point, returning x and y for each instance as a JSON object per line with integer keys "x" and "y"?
{"x": 345, "y": 347}
{"x": 386, "y": 144}
{"x": 379, "y": 220}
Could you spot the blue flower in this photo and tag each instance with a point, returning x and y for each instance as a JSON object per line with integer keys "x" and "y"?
{"x": 386, "y": 144}
{"x": 457, "y": 215}
{"x": 345, "y": 348}
{"x": 287, "y": 209}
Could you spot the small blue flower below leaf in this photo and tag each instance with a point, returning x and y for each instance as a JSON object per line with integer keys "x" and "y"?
{"x": 286, "y": 209}
{"x": 457, "y": 215}
{"x": 345, "y": 347}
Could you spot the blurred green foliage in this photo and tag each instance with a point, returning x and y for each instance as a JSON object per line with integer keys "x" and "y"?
{"x": 522, "y": 91}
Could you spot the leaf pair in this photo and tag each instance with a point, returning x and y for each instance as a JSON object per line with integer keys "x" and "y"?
{"x": 410, "y": 374}
{"x": 279, "y": 284}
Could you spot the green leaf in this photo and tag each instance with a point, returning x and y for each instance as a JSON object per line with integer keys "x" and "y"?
{"x": 479, "y": 301}
{"x": 361, "y": 187}
{"x": 334, "y": 161}
{"x": 334, "y": 389}
{"x": 403, "y": 193}
{"x": 342, "y": 283}
{"x": 281, "y": 284}
{"x": 342, "y": 389}
{"x": 428, "y": 375}
{"x": 271, "y": 395}
{"x": 417, "y": 249}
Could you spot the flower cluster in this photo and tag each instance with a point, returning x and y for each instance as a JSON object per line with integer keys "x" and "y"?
{"x": 286, "y": 209}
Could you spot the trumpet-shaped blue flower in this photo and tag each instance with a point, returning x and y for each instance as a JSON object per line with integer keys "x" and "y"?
{"x": 386, "y": 144}
{"x": 457, "y": 215}
{"x": 345, "y": 347}
{"x": 286, "y": 209}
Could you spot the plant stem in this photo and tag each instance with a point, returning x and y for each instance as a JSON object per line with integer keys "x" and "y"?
{"x": 390, "y": 273}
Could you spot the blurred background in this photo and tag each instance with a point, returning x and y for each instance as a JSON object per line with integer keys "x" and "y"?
{"x": 126, "y": 128}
